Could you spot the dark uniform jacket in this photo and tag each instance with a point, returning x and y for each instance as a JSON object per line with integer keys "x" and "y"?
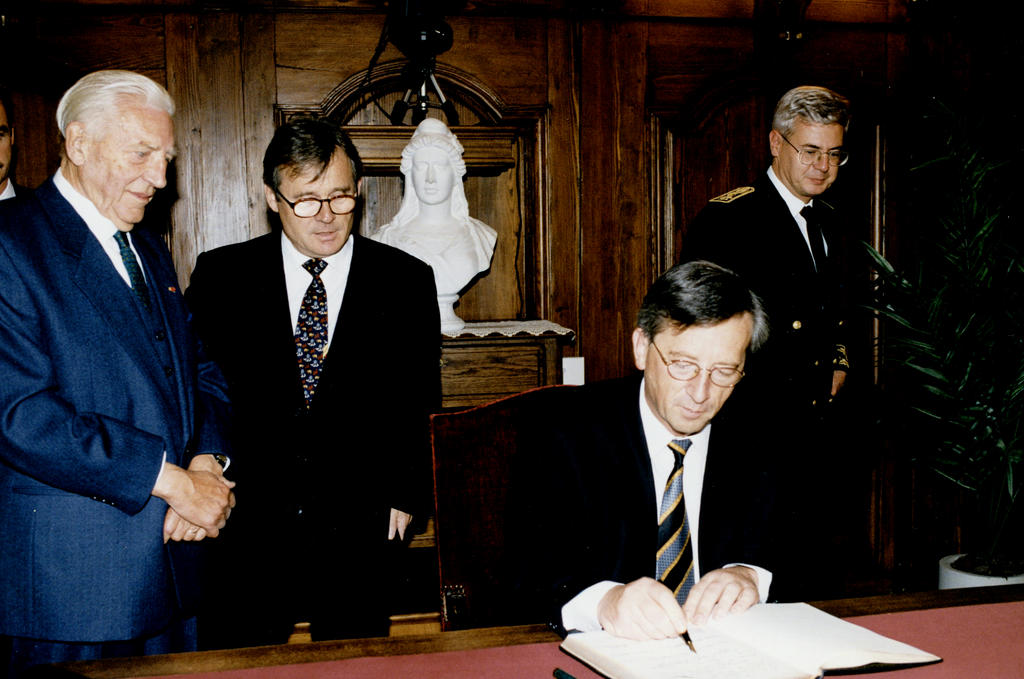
{"x": 751, "y": 231}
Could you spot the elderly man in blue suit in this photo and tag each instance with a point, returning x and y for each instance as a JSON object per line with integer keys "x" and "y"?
{"x": 111, "y": 421}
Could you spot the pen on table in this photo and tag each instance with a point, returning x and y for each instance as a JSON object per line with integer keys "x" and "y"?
{"x": 685, "y": 636}
{"x": 559, "y": 673}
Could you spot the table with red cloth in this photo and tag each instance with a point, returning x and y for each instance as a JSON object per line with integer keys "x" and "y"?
{"x": 978, "y": 633}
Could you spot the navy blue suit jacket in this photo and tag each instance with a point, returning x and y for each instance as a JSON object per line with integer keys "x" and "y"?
{"x": 93, "y": 394}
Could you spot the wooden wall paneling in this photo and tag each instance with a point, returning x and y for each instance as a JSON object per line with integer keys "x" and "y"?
{"x": 36, "y": 137}
{"x": 204, "y": 69}
{"x": 662, "y": 163}
{"x": 184, "y": 86}
{"x": 495, "y": 201}
{"x": 316, "y": 51}
{"x": 259, "y": 93}
{"x": 559, "y": 242}
{"x": 500, "y": 52}
{"x": 686, "y": 61}
{"x": 856, "y": 11}
{"x": 506, "y": 53}
{"x": 726, "y": 150}
{"x": 720, "y": 9}
{"x": 616, "y": 238}
{"x": 73, "y": 43}
{"x": 223, "y": 187}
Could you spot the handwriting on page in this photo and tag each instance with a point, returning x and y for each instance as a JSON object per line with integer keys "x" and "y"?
{"x": 716, "y": 658}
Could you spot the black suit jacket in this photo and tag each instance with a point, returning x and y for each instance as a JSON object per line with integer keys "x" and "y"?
{"x": 583, "y": 500}
{"x": 751, "y": 231}
{"x": 316, "y": 486}
{"x": 367, "y": 430}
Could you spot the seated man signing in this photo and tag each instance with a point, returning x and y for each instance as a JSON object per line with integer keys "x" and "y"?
{"x": 628, "y": 513}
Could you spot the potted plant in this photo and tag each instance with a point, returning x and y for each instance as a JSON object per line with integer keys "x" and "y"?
{"x": 952, "y": 342}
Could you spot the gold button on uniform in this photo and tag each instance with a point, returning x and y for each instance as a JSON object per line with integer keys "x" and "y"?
{"x": 797, "y": 325}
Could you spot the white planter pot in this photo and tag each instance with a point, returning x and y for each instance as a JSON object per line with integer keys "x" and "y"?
{"x": 951, "y": 578}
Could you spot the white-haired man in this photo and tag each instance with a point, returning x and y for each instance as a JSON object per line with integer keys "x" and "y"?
{"x": 111, "y": 437}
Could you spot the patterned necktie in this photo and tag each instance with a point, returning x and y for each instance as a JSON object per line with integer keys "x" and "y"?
{"x": 311, "y": 330}
{"x": 675, "y": 553}
{"x": 134, "y": 272}
{"x": 814, "y": 236}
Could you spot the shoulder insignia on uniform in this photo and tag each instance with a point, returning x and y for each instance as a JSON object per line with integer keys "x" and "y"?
{"x": 733, "y": 195}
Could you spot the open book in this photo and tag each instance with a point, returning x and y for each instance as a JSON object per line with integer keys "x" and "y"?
{"x": 768, "y": 641}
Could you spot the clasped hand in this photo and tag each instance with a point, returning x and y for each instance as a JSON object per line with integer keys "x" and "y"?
{"x": 200, "y": 499}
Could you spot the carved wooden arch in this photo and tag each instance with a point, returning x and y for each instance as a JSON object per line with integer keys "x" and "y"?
{"x": 388, "y": 77}
{"x": 343, "y": 102}
{"x": 490, "y": 145}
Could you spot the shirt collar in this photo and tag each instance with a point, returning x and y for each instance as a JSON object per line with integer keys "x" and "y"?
{"x": 792, "y": 202}
{"x": 100, "y": 226}
{"x": 295, "y": 259}
{"x": 658, "y": 436}
{"x": 8, "y": 191}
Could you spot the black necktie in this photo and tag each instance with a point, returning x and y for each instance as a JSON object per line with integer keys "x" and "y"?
{"x": 134, "y": 272}
{"x": 815, "y": 237}
{"x": 675, "y": 552}
{"x": 311, "y": 329}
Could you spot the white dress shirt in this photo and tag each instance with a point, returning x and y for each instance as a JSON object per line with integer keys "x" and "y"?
{"x": 580, "y": 612}
{"x": 101, "y": 227}
{"x": 795, "y": 205}
{"x": 8, "y": 191}
{"x": 334, "y": 277}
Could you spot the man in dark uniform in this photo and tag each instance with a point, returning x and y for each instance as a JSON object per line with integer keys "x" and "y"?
{"x": 786, "y": 242}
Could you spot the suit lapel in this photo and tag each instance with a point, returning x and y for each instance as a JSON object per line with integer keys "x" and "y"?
{"x": 270, "y": 294}
{"x": 351, "y": 310}
{"x": 164, "y": 294}
{"x": 636, "y": 442}
{"x": 111, "y": 298}
{"x": 790, "y": 244}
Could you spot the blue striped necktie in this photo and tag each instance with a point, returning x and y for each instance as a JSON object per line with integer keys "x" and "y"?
{"x": 675, "y": 552}
{"x": 132, "y": 265}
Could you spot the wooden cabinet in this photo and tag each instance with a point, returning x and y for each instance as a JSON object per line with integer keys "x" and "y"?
{"x": 491, "y": 360}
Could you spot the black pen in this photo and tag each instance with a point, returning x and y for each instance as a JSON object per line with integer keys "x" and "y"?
{"x": 685, "y": 636}
{"x": 559, "y": 673}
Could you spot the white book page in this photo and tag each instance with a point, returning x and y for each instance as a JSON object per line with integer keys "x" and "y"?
{"x": 813, "y": 640}
{"x": 717, "y": 657}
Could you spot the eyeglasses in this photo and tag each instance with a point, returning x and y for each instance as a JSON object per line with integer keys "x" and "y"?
{"x": 310, "y": 207}
{"x": 684, "y": 371}
{"x": 836, "y": 157}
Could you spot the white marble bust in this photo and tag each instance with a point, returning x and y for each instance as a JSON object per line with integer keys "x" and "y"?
{"x": 433, "y": 222}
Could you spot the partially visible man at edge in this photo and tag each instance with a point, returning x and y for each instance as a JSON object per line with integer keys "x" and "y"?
{"x": 112, "y": 437}
{"x": 7, "y": 186}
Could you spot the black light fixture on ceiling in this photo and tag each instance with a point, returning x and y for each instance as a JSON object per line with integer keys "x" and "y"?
{"x": 419, "y": 31}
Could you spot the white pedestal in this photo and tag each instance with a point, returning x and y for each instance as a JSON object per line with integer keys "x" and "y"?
{"x": 951, "y": 578}
{"x": 450, "y": 323}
